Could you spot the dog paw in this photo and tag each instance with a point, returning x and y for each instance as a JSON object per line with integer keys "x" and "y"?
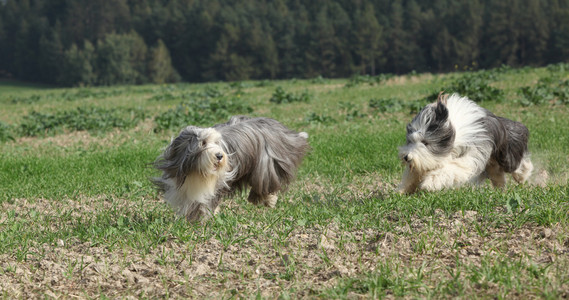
{"x": 433, "y": 182}
{"x": 270, "y": 200}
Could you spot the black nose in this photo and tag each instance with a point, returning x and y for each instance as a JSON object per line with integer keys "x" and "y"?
{"x": 406, "y": 158}
{"x": 219, "y": 156}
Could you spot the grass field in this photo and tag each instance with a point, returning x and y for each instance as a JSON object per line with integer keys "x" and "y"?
{"x": 80, "y": 219}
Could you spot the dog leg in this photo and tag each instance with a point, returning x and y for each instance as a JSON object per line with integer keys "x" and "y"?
{"x": 452, "y": 174}
{"x": 409, "y": 181}
{"x": 269, "y": 200}
{"x": 196, "y": 212}
{"x": 254, "y": 198}
{"x": 523, "y": 172}
{"x": 496, "y": 174}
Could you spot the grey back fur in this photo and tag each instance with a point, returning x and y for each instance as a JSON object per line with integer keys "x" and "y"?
{"x": 510, "y": 139}
{"x": 263, "y": 153}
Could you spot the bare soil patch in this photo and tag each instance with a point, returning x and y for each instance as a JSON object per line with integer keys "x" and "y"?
{"x": 305, "y": 262}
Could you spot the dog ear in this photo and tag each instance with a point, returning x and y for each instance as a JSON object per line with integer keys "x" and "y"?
{"x": 441, "y": 111}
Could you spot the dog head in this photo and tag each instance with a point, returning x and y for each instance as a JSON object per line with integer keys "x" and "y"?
{"x": 195, "y": 151}
{"x": 430, "y": 137}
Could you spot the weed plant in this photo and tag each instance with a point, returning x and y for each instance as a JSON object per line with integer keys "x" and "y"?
{"x": 281, "y": 96}
{"x": 357, "y": 79}
{"x": 200, "y": 113}
{"x": 82, "y": 118}
{"x": 546, "y": 90}
{"x": 476, "y": 86}
{"x": 6, "y": 132}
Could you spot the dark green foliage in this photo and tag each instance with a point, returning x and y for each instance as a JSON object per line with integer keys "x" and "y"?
{"x": 316, "y": 118}
{"x": 546, "y": 90}
{"x": 280, "y": 96}
{"x": 121, "y": 59}
{"x": 160, "y": 69}
{"x": 319, "y": 80}
{"x": 163, "y": 97}
{"x": 386, "y": 105}
{"x": 87, "y": 118}
{"x": 352, "y": 111}
{"x": 204, "y": 112}
{"x": 558, "y": 68}
{"x": 70, "y": 95}
{"x": 6, "y": 132}
{"x": 475, "y": 86}
{"x": 356, "y": 80}
{"x": 74, "y": 43}
{"x": 391, "y": 105}
{"x": 26, "y": 100}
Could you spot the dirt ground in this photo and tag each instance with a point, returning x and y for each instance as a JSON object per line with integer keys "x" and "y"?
{"x": 310, "y": 260}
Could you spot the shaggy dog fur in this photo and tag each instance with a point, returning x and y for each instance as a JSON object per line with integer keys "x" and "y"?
{"x": 202, "y": 165}
{"x": 455, "y": 141}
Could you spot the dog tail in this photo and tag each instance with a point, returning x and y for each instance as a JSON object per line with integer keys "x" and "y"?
{"x": 303, "y": 135}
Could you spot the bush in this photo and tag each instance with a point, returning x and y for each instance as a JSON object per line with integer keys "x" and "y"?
{"x": 356, "y": 80}
{"x": 391, "y": 105}
{"x": 163, "y": 97}
{"x": 200, "y": 113}
{"x": 352, "y": 111}
{"x": 280, "y": 96}
{"x": 319, "y": 80}
{"x": 316, "y": 118}
{"x": 26, "y": 100}
{"x": 89, "y": 118}
{"x": 476, "y": 87}
{"x": 6, "y": 132}
{"x": 546, "y": 90}
{"x": 386, "y": 105}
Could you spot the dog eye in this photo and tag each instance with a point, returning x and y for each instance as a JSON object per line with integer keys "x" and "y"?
{"x": 203, "y": 143}
{"x": 425, "y": 143}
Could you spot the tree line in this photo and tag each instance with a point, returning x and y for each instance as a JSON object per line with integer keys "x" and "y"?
{"x": 106, "y": 42}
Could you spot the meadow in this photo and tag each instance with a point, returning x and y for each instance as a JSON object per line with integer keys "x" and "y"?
{"x": 79, "y": 217}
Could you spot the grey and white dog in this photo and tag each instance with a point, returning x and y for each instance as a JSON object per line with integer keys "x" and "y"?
{"x": 454, "y": 141}
{"x": 202, "y": 165}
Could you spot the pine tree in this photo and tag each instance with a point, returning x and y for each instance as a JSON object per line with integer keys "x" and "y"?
{"x": 321, "y": 56}
{"x": 77, "y": 68}
{"x": 368, "y": 34}
{"x": 160, "y": 69}
{"x": 51, "y": 56}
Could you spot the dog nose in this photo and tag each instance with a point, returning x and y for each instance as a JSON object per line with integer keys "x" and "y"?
{"x": 219, "y": 156}
{"x": 406, "y": 157}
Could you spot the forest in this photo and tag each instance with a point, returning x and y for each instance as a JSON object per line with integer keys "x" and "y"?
{"x": 104, "y": 42}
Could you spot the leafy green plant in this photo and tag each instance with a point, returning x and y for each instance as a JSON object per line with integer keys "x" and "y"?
{"x": 352, "y": 111}
{"x": 6, "y": 132}
{"x": 357, "y": 79}
{"x": 163, "y": 97}
{"x": 558, "y": 68}
{"x": 391, "y": 105}
{"x": 546, "y": 90}
{"x": 82, "y": 118}
{"x": 200, "y": 112}
{"x": 386, "y": 105}
{"x": 319, "y": 80}
{"x": 316, "y": 118}
{"x": 280, "y": 96}
{"x": 476, "y": 86}
{"x": 26, "y": 100}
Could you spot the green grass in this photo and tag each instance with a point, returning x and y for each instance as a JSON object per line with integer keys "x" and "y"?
{"x": 80, "y": 215}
